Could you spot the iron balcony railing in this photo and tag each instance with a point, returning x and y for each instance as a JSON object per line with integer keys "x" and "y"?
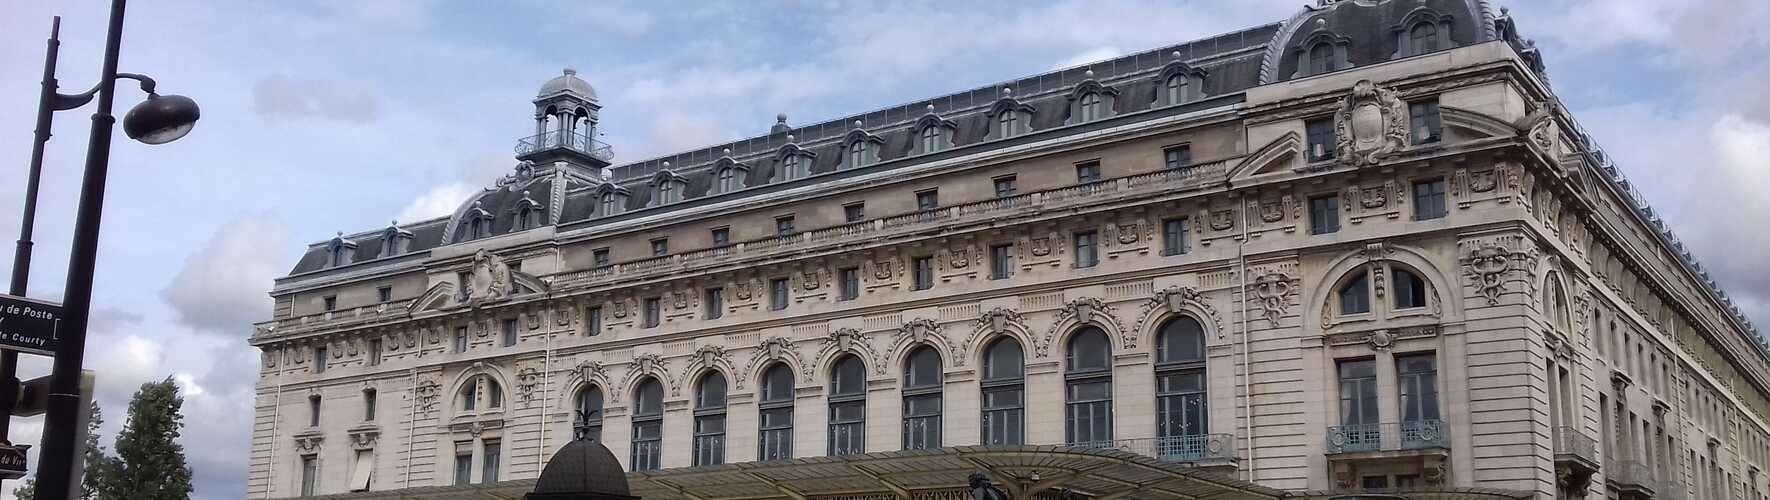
{"x": 559, "y": 139}
{"x": 1183, "y": 449}
{"x": 1570, "y": 442}
{"x": 1392, "y": 436}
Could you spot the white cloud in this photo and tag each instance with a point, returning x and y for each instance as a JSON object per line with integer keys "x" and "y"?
{"x": 439, "y": 201}
{"x": 222, "y": 285}
{"x": 1088, "y": 56}
{"x": 343, "y": 101}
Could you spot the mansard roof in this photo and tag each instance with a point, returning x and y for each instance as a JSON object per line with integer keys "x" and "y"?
{"x": 1368, "y": 27}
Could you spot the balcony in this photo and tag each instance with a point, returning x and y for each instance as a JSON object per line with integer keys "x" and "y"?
{"x": 1393, "y": 436}
{"x": 1204, "y": 450}
{"x": 1633, "y": 479}
{"x": 556, "y": 140}
{"x": 1576, "y": 458}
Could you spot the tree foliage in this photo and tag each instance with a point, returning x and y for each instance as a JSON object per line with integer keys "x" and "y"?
{"x": 149, "y": 464}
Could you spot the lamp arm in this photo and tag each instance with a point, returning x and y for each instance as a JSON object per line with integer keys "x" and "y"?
{"x": 64, "y": 102}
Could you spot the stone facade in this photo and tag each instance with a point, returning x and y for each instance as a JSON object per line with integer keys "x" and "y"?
{"x": 1527, "y": 325}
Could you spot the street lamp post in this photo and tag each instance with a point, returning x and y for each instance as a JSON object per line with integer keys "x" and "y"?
{"x": 158, "y": 120}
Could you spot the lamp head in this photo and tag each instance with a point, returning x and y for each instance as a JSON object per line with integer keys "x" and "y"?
{"x": 161, "y": 119}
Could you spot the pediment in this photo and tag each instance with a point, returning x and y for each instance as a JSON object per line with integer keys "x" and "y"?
{"x": 435, "y": 298}
{"x": 1475, "y": 124}
{"x": 1280, "y": 157}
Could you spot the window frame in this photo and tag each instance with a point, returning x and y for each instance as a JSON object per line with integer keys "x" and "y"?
{"x": 660, "y": 247}
{"x": 1320, "y": 132}
{"x": 928, "y": 199}
{"x": 1011, "y": 416}
{"x": 1433, "y": 203}
{"x": 1098, "y": 434}
{"x": 1318, "y": 222}
{"x": 847, "y": 436}
{"x": 646, "y": 451}
{"x": 1006, "y": 185}
{"x": 775, "y": 442}
{"x": 1177, "y": 157}
{"x": 714, "y": 302}
{"x": 785, "y": 225}
{"x": 1088, "y": 172}
{"x": 922, "y": 431}
{"x": 854, "y": 212}
{"x": 1172, "y": 396}
{"x": 1176, "y": 236}
{"x": 1425, "y": 110}
{"x": 779, "y": 294}
{"x": 848, "y": 289}
{"x": 709, "y": 445}
{"x": 1001, "y": 261}
{"x": 652, "y": 312}
{"x": 1086, "y": 247}
{"x": 922, "y": 272}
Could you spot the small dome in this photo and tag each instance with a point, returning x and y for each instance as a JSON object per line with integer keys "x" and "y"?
{"x": 568, "y": 82}
{"x": 583, "y": 466}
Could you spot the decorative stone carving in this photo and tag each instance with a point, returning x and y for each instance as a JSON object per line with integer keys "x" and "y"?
{"x": 1374, "y": 197}
{"x": 363, "y": 438}
{"x": 1371, "y": 125}
{"x": 527, "y": 380}
{"x": 1222, "y": 220}
{"x": 1486, "y": 264}
{"x": 650, "y": 364}
{"x": 1086, "y": 310}
{"x": 490, "y": 279}
{"x": 960, "y": 258}
{"x": 1041, "y": 247}
{"x": 1178, "y": 298}
{"x": 1271, "y": 212}
{"x": 1127, "y": 234}
{"x": 1272, "y": 293}
{"x": 996, "y": 321}
{"x": 309, "y": 442}
{"x": 882, "y": 270}
{"x": 425, "y": 395}
{"x": 1482, "y": 181}
{"x": 591, "y": 370}
{"x": 679, "y": 299}
{"x": 852, "y": 341}
{"x": 775, "y": 349}
{"x": 620, "y": 306}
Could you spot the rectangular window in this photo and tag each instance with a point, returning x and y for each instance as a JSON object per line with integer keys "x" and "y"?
{"x": 1418, "y": 374}
{"x": 648, "y": 441}
{"x": 927, "y": 199}
{"x": 1001, "y": 261}
{"x": 1006, "y": 186}
{"x": 509, "y": 332}
{"x": 463, "y": 464}
{"x": 1324, "y": 214}
{"x": 1176, "y": 236}
{"x": 709, "y": 438}
{"x": 776, "y": 440}
{"x": 1087, "y": 172}
{"x": 1423, "y": 120}
{"x": 921, "y": 421}
{"x": 593, "y": 321}
{"x": 369, "y": 405}
{"x": 1004, "y": 413}
{"x": 654, "y": 311}
{"x": 848, "y": 419}
{"x": 660, "y": 247}
{"x": 850, "y": 283}
{"x": 1429, "y": 199}
{"x": 1358, "y": 394}
{"x": 1088, "y": 412}
{"x": 1177, "y": 157}
{"x": 923, "y": 268}
{"x": 374, "y": 352}
{"x": 310, "y": 475}
{"x": 361, "y": 470}
{"x": 330, "y": 303}
{"x": 460, "y": 339}
{"x": 1087, "y": 253}
{"x": 1321, "y": 139}
{"x": 488, "y": 468}
{"x": 854, "y": 212}
{"x": 599, "y": 258}
{"x": 777, "y": 294}
{"x": 721, "y": 236}
{"x": 313, "y": 411}
{"x": 319, "y": 359}
{"x": 384, "y": 294}
{"x": 783, "y": 225}
{"x": 715, "y": 303}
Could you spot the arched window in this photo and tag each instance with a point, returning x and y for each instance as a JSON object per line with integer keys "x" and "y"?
{"x": 1423, "y": 38}
{"x": 790, "y": 167}
{"x": 481, "y": 392}
{"x": 528, "y": 217}
{"x": 1556, "y": 309}
{"x": 589, "y": 413}
{"x": 1004, "y": 393}
{"x": 1090, "y": 106}
{"x": 921, "y": 399}
{"x": 776, "y": 441}
{"x": 1176, "y": 89}
{"x": 857, "y": 153}
{"x": 727, "y": 180}
{"x": 1355, "y": 295}
{"x": 1410, "y": 290}
{"x": 709, "y": 420}
{"x": 668, "y": 192}
{"x": 1182, "y": 408}
{"x": 1088, "y": 389}
{"x": 1321, "y": 58}
{"x": 848, "y": 407}
{"x": 1008, "y": 124}
{"x": 606, "y": 205}
{"x": 648, "y": 425}
{"x": 931, "y": 139}
{"x": 478, "y": 227}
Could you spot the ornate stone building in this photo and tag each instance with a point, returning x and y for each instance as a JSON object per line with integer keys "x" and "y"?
{"x": 1360, "y": 250}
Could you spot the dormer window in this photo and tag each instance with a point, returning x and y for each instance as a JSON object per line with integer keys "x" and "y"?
{"x": 528, "y": 213}
{"x": 1423, "y": 38}
{"x": 606, "y": 205}
{"x": 340, "y": 251}
{"x": 1179, "y": 83}
{"x": 861, "y": 148}
{"x": 1321, "y": 58}
{"x": 931, "y": 139}
{"x": 1176, "y": 88}
{"x": 395, "y": 241}
{"x": 792, "y": 168}
{"x": 792, "y": 162}
{"x": 667, "y": 186}
{"x": 1090, "y": 107}
{"x": 1009, "y": 125}
{"x": 611, "y": 200}
{"x": 667, "y": 193}
{"x": 727, "y": 180}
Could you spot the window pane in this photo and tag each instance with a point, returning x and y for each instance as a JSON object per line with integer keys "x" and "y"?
{"x": 1321, "y": 139}
{"x": 1088, "y": 350}
{"x": 848, "y": 377}
{"x": 1003, "y": 360}
{"x": 1429, "y": 202}
{"x": 1182, "y": 339}
{"x": 1355, "y": 295}
{"x": 1324, "y": 214}
{"x": 1410, "y": 290}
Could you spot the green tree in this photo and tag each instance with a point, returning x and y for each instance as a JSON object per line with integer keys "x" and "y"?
{"x": 150, "y": 463}
{"x": 99, "y": 466}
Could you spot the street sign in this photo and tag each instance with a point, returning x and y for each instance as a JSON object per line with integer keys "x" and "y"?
{"x": 12, "y": 461}
{"x": 29, "y": 325}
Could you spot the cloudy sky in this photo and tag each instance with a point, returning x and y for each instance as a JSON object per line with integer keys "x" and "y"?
{"x": 341, "y": 115}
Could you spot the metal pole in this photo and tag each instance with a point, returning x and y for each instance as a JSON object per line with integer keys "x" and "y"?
{"x": 21, "y": 256}
{"x": 62, "y": 411}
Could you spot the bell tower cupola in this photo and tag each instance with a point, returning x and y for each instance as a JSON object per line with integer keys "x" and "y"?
{"x": 566, "y": 111}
